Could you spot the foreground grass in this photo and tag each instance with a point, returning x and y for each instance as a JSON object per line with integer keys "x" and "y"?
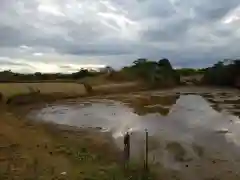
{"x": 11, "y": 89}
{"x": 33, "y": 151}
{"x": 28, "y": 93}
{"x": 68, "y": 88}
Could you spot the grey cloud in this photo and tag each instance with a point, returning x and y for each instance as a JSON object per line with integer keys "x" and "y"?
{"x": 161, "y": 9}
{"x": 172, "y": 31}
{"x": 214, "y": 9}
{"x": 10, "y": 36}
{"x": 8, "y": 63}
{"x": 68, "y": 68}
{"x": 189, "y": 32}
{"x": 81, "y": 32}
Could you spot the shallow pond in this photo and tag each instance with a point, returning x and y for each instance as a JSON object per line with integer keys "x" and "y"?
{"x": 185, "y": 132}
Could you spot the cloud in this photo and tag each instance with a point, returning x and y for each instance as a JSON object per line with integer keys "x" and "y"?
{"x": 26, "y": 66}
{"x": 62, "y": 32}
{"x": 38, "y": 54}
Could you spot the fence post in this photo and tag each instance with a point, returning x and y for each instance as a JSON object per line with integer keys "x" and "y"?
{"x": 146, "y": 151}
{"x": 126, "y": 150}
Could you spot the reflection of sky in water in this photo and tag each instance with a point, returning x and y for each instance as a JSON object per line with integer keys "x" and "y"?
{"x": 191, "y": 120}
{"x": 113, "y": 116}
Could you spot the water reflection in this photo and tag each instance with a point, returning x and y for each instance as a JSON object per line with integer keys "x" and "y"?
{"x": 184, "y": 130}
{"x": 169, "y": 116}
{"x": 152, "y": 104}
{"x": 224, "y": 101}
{"x": 188, "y": 118}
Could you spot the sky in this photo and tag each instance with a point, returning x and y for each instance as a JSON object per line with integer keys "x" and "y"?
{"x": 66, "y": 35}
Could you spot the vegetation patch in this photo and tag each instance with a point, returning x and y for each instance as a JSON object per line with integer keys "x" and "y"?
{"x": 223, "y": 73}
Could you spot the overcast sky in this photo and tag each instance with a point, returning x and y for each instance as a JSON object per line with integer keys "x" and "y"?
{"x": 64, "y": 35}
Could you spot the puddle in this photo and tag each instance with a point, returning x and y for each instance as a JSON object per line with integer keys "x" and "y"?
{"x": 185, "y": 130}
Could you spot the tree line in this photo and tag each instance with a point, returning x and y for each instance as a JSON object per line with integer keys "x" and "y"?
{"x": 153, "y": 73}
{"x": 9, "y": 76}
{"x": 223, "y": 73}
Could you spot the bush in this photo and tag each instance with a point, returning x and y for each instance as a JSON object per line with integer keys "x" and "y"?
{"x": 223, "y": 74}
{"x": 154, "y": 74}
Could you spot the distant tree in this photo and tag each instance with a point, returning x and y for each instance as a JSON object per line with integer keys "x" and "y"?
{"x": 140, "y": 61}
{"x": 37, "y": 74}
{"x": 165, "y": 63}
{"x": 223, "y": 74}
{"x": 107, "y": 69}
{"x": 153, "y": 73}
{"x": 81, "y": 74}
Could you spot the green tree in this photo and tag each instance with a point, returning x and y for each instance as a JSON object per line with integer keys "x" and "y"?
{"x": 81, "y": 74}
{"x": 155, "y": 74}
{"x": 223, "y": 74}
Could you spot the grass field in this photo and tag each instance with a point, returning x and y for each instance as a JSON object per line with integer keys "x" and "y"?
{"x": 11, "y": 89}
{"x": 26, "y": 93}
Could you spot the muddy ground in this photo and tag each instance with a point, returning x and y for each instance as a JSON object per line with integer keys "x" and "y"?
{"x": 39, "y": 151}
{"x": 36, "y": 150}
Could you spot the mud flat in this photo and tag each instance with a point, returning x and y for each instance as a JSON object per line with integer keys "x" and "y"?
{"x": 194, "y": 132}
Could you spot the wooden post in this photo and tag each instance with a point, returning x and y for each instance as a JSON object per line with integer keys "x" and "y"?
{"x": 146, "y": 151}
{"x": 126, "y": 150}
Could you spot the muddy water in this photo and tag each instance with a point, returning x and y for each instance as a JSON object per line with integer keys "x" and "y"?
{"x": 187, "y": 135}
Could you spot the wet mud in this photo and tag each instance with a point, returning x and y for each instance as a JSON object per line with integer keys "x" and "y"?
{"x": 192, "y": 134}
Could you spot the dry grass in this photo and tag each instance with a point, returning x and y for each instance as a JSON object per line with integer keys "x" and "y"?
{"x": 118, "y": 88}
{"x": 11, "y": 89}
{"x": 28, "y": 93}
{"x": 25, "y": 93}
{"x": 97, "y": 80}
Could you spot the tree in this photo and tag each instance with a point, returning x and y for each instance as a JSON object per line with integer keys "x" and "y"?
{"x": 140, "y": 61}
{"x": 108, "y": 69}
{"x": 223, "y": 74}
{"x": 153, "y": 73}
{"x": 37, "y": 74}
{"x": 81, "y": 74}
{"x": 165, "y": 63}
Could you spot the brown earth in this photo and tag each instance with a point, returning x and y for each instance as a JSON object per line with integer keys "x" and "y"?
{"x": 31, "y": 150}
